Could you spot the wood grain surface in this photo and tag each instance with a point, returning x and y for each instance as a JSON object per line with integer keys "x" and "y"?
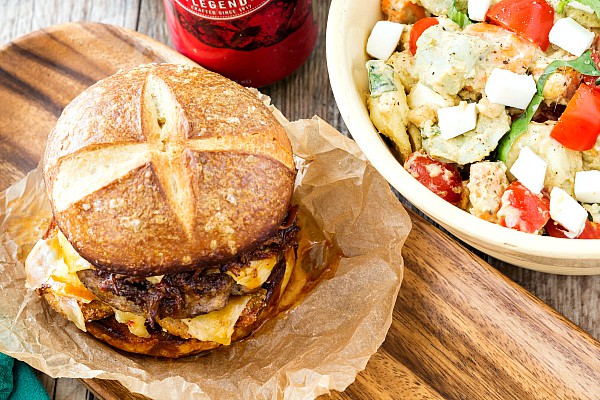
{"x": 461, "y": 329}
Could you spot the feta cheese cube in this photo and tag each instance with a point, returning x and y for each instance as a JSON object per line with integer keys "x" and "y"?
{"x": 567, "y": 211}
{"x": 421, "y": 95}
{"x": 510, "y": 89}
{"x": 587, "y": 186}
{"x": 570, "y": 36}
{"x": 530, "y": 170}
{"x": 454, "y": 121}
{"x": 477, "y": 9}
{"x": 384, "y": 39}
{"x": 581, "y": 7}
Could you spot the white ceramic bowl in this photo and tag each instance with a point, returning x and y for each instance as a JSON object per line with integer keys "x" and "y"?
{"x": 348, "y": 27}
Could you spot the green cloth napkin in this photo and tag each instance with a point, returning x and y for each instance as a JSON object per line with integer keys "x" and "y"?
{"x": 18, "y": 381}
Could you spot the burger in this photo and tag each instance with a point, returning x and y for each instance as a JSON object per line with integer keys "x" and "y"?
{"x": 173, "y": 231}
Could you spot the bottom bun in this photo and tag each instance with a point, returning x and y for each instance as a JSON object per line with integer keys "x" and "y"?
{"x": 159, "y": 344}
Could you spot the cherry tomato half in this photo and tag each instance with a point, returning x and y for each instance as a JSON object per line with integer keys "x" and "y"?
{"x": 418, "y": 28}
{"x": 531, "y": 19}
{"x": 523, "y": 210}
{"x": 579, "y": 125}
{"x": 441, "y": 178}
{"x": 590, "y": 231}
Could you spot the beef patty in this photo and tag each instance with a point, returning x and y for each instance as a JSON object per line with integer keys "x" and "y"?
{"x": 182, "y": 295}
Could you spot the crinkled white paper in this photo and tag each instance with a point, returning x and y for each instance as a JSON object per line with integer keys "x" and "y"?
{"x": 319, "y": 345}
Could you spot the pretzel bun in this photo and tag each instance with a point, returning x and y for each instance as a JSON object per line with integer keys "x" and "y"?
{"x": 166, "y": 168}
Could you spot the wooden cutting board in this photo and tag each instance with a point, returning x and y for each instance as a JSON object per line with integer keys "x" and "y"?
{"x": 460, "y": 329}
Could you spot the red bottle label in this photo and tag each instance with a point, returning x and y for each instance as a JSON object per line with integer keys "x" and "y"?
{"x": 275, "y": 22}
{"x": 254, "y": 42}
{"x": 221, "y": 9}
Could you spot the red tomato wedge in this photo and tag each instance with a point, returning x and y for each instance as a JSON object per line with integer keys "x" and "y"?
{"x": 579, "y": 125}
{"x": 590, "y": 231}
{"x": 531, "y": 19}
{"x": 441, "y": 178}
{"x": 523, "y": 210}
{"x": 418, "y": 28}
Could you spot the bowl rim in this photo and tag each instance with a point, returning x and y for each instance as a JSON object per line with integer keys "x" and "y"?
{"x": 451, "y": 217}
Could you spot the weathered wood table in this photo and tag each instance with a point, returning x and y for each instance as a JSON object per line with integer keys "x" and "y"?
{"x": 304, "y": 94}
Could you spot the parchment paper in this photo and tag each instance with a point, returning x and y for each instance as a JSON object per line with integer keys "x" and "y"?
{"x": 319, "y": 345}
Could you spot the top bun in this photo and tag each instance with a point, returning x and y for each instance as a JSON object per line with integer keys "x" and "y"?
{"x": 166, "y": 168}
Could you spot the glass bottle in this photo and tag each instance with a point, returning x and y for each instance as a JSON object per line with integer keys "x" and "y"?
{"x": 254, "y": 42}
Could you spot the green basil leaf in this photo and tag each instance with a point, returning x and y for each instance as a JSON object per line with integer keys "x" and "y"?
{"x": 582, "y": 64}
{"x": 459, "y": 17}
{"x": 517, "y": 128}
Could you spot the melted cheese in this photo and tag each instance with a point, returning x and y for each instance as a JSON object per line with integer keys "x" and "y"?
{"x": 155, "y": 279}
{"x": 70, "y": 307}
{"x": 42, "y": 260}
{"x": 217, "y": 326}
{"x": 50, "y": 265}
{"x": 255, "y": 274}
{"x": 135, "y": 323}
{"x": 73, "y": 260}
{"x": 290, "y": 262}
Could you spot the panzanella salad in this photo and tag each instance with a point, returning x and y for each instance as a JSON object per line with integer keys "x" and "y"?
{"x": 494, "y": 106}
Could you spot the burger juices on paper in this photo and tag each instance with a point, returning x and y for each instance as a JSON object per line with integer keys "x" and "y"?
{"x": 173, "y": 232}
